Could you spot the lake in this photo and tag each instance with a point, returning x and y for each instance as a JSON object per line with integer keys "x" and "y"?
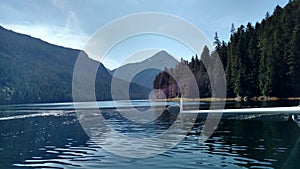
{"x": 51, "y": 136}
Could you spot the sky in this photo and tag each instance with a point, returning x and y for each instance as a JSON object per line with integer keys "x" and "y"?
{"x": 71, "y": 23}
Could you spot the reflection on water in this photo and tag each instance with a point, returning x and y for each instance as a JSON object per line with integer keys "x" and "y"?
{"x": 53, "y": 138}
{"x": 252, "y": 104}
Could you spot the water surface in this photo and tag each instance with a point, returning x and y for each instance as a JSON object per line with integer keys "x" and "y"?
{"x": 50, "y": 136}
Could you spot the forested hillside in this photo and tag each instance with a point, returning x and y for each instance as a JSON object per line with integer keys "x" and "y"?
{"x": 261, "y": 59}
{"x": 34, "y": 71}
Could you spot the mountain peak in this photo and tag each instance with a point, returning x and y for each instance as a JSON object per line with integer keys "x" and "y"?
{"x": 148, "y": 69}
{"x": 162, "y": 52}
{"x": 161, "y": 55}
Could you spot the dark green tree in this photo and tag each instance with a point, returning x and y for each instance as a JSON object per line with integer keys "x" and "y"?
{"x": 217, "y": 42}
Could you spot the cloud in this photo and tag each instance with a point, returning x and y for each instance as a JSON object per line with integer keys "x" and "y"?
{"x": 64, "y": 31}
{"x": 61, "y": 5}
{"x": 72, "y": 21}
{"x": 57, "y": 35}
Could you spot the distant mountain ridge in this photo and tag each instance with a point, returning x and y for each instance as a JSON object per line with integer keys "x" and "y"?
{"x": 32, "y": 71}
{"x": 146, "y": 70}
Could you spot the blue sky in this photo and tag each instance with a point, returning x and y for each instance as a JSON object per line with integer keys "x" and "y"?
{"x": 71, "y": 23}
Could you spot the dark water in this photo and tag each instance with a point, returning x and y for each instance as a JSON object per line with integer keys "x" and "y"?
{"x": 50, "y": 136}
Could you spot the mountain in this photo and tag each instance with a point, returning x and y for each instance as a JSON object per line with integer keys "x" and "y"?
{"x": 34, "y": 71}
{"x": 144, "y": 73}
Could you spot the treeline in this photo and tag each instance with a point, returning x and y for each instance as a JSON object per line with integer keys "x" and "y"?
{"x": 259, "y": 60}
{"x": 170, "y": 87}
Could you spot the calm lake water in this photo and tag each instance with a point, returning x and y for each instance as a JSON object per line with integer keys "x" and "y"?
{"x": 50, "y": 136}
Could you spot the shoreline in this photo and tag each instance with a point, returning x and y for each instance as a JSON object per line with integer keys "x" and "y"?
{"x": 237, "y": 99}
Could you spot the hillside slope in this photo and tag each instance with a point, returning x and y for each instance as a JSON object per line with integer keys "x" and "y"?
{"x": 33, "y": 71}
